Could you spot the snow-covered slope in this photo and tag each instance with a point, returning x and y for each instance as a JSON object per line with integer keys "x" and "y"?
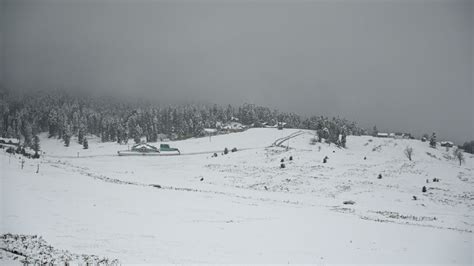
{"x": 242, "y": 207}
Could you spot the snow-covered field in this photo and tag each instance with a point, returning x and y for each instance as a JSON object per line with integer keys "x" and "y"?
{"x": 242, "y": 207}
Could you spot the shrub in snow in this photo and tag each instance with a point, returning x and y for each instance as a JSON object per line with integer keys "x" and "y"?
{"x": 408, "y": 152}
{"x": 380, "y": 176}
{"x": 349, "y": 202}
{"x": 226, "y": 151}
{"x": 214, "y": 155}
{"x": 423, "y": 189}
{"x": 85, "y": 144}
{"x": 282, "y": 160}
{"x": 365, "y": 158}
{"x": 234, "y": 150}
{"x": 414, "y": 198}
{"x": 458, "y": 155}
{"x": 291, "y": 158}
{"x": 325, "y": 160}
{"x": 282, "y": 165}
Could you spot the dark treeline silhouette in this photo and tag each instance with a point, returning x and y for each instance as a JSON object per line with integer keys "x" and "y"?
{"x": 63, "y": 115}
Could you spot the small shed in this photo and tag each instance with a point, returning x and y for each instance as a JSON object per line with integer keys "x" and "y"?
{"x": 448, "y": 144}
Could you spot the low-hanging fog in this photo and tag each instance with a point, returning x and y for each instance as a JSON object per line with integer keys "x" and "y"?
{"x": 402, "y": 65}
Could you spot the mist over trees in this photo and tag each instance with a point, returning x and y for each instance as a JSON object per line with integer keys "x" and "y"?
{"x": 63, "y": 115}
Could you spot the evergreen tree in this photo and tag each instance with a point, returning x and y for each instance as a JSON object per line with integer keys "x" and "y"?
{"x": 343, "y": 139}
{"x": 36, "y": 144}
{"x": 375, "y": 131}
{"x": 433, "y": 140}
{"x": 85, "y": 144}
{"x": 137, "y": 134}
{"x": 67, "y": 136}
{"x": 81, "y": 133}
{"x": 27, "y": 133}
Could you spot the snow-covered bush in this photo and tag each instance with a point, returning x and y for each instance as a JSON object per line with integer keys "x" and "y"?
{"x": 458, "y": 155}
{"x": 408, "y": 152}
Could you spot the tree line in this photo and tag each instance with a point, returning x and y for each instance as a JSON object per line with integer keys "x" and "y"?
{"x": 64, "y": 115}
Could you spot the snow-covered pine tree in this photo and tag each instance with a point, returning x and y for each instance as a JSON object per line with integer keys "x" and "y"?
{"x": 67, "y": 135}
{"x": 36, "y": 144}
{"x": 27, "y": 132}
{"x": 85, "y": 144}
{"x": 343, "y": 139}
{"x": 137, "y": 134}
{"x": 375, "y": 131}
{"x": 433, "y": 140}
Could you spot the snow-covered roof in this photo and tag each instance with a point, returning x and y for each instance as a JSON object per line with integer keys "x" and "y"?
{"x": 144, "y": 146}
{"x": 9, "y": 140}
{"x": 447, "y": 143}
{"x": 233, "y": 125}
{"x": 210, "y": 130}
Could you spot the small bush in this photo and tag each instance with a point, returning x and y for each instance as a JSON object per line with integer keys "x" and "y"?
{"x": 234, "y": 150}
{"x": 380, "y": 176}
{"x": 291, "y": 158}
{"x": 325, "y": 160}
{"x": 423, "y": 189}
{"x": 226, "y": 151}
{"x": 282, "y": 160}
{"x": 408, "y": 152}
{"x": 282, "y": 165}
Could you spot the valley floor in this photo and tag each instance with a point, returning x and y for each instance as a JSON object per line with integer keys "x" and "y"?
{"x": 241, "y": 207}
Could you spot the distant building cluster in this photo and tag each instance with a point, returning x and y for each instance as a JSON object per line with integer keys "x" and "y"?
{"x": 397, "y": 135}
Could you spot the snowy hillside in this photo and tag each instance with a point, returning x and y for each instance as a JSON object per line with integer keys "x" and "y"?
{"x": 242, "y": 207}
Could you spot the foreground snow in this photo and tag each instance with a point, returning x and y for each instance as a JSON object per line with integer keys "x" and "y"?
{"x": 246, "y": 209}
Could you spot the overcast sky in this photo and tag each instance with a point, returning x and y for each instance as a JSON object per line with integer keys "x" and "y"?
{"x": 402, "y": 65}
